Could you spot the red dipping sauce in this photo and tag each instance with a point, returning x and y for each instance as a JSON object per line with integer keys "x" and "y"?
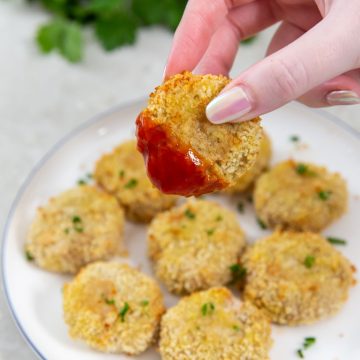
{"x": 171, "y": 167}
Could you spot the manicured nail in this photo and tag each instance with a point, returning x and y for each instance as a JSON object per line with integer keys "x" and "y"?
{"x": 343, "y": 97}
{"x": 228, "y": 106}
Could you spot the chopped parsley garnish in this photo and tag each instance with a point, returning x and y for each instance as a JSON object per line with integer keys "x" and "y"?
{"x": 81, "y": 182}
{"x": 210, "y": 231}
{"x": 144, "y": 303}
{"x": 76, "y": 219}
{"x": 67, "y": 231}
{"x": 294, "y": 138}
{"x": 236, "y": 327}
{"x": 188, "y": 213}
{"x": 77, "y": 224}
{"x": 207, "y": 308}
{"x": 309, "y": 341}
{"x": 238, "y": 272}
{"x": 219, "y": 218}
{"x": 109, "y": 301}
{"x": 303, "y": 169}
{"x": 240, "y": 207}
{"x": 309, "y": 261}
{"x": 131, "y": 184}
{"x": 123, "y": 311}
{"x": 324, "y": 195}
{"x": 336, "y": 241}
{"x": 89, "y": 175}
{"x": 261, "y": 224}
{"x": 121, "y": 174}
{"x": 29, "y": 256}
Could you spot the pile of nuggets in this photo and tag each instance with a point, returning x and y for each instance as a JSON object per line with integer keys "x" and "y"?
{"x": 293, "y": 276}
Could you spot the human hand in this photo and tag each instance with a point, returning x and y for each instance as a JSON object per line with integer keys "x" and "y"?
{"x": 314, "y": 56}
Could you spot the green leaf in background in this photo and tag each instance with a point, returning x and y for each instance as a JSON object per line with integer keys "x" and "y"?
{"x": 64, "y": 36}
{"x": 71, "y": 45}
{"x": 165, "y": 12}
{"x": 116, "y": 30}
{"x": 48, "y": 36}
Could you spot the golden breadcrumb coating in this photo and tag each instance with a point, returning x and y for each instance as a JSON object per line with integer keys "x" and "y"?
{"x": 296, "y": 278}
{"x": 223, "y": 152}
{"x": 113, "y": 308}
{"x": 300, "y": 196}
{"x": 214, "y": 325}
{"x": 194, "y": 245}
{"x": 77, "y": 227}
{"x": 262, "y": 162}
{"x": 122, "y": 173}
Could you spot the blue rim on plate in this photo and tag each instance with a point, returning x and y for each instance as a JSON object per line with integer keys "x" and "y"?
{"x": 57, "y": 146}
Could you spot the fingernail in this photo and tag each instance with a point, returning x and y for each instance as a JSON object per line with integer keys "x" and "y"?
{"x": 164, "y": 78}
{"x": 343, "y": 97}
{"x": 228, "y": 106}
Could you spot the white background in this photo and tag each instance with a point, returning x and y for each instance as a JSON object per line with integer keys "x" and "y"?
{"x": 43, "y": 98}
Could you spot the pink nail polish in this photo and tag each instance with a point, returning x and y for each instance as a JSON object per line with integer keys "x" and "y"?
{"x": 343, "y": 97}
{"x": 229, "y": 106}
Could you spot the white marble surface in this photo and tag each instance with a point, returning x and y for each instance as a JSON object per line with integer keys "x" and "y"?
{"x": 43, "y": 98}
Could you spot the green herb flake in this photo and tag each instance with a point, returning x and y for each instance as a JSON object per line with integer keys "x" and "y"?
{"x": 301, "y": 169}
{"x": 219, "y": 218}
{"x": 309, "y": 341}
{"x": 89, "y": 176}
{"x": 131, "y": 184}
{"x": 294, "y": 138}
{"x": 238, "y": 272}
{"x": 109, "y": 301}
{"x": 77, "y": 224}
{"x": 240, "y": 207}
{"x": 76, "y": 219}
{"x": 210, "y": 232}
{"x": 81, "y": 182}
{"x": 324, "y": 195}
{"x": 144, "y": 303}
{"x": 236, "y": 327}
{"x": 67, "y": 231}
{"x": 121, "y": 174}
{"x": 29, "y": 256}
{"x": 300, "y": 354}
{"x": 261, "y": 224}
{"x": 336, "y": 241}
{"x": 207, "y": 308}
{"x": 189, "y": 214}
{"x": 309, "y": 261}
{"x": 123, "y": 311}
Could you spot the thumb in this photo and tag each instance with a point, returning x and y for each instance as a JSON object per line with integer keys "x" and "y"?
{"x": 317, "y": 56}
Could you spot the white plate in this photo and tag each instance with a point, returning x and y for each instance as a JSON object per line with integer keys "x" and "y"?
{"x": 34, "y": 296}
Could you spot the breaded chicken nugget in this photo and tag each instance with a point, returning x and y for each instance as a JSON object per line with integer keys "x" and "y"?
{"x": 296, "y": 278}
{"x": 300, "y": 196}
{"x": 214, "y": 325}
{"x": 122, "y": 173}
{"x": 79, "y": 226}
{"x": 185, "y": 154}
{"x": 113, "y": 308}
{"x": 262, "y": 162}
{"x": 194, "y": 246}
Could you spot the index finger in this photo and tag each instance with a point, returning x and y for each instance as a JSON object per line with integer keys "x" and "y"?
{"x": 200, "y": 21}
